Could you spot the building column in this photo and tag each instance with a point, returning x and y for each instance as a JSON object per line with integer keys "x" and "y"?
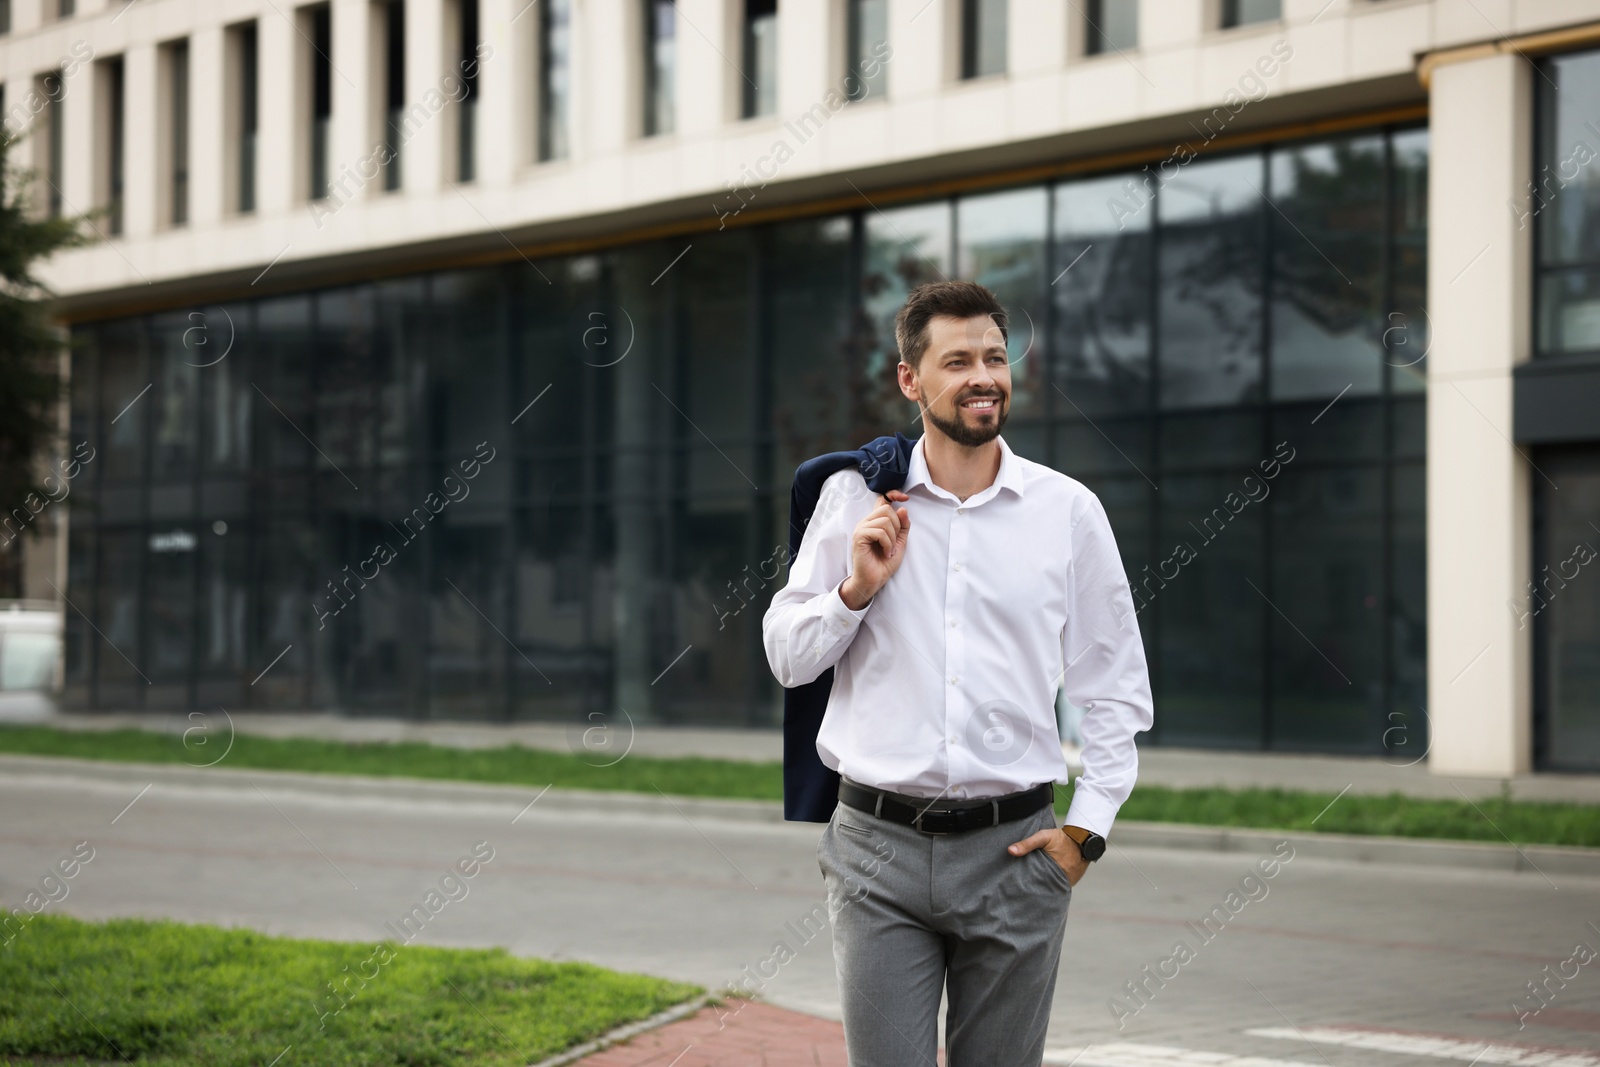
{"x": 423, "y": 124}
{"x": 280, "y": 116}
{"x": 354, "y": 165}
{"x": 710, "y": 80}
{"x": 504, "y": 117}
{"x": 811, "y": 42}
{"x": 608, "y": 76}
{"x": 1480, "y": 680}
{"x": 77, "y": 146}
{"x": 139, "y": 140}
{"x": 207, "y": 145}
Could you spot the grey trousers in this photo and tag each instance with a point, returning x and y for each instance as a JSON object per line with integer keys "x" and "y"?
{"x": 915, "y": 915}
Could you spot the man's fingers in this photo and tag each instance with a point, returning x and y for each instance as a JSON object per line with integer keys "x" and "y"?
{"x": 1031, "y": 842}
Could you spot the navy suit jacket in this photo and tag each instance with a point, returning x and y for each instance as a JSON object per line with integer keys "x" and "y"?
{"x": 810, "y": 788}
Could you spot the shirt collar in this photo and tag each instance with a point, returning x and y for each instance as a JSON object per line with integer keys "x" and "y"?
{"x": 1008, "y": 477}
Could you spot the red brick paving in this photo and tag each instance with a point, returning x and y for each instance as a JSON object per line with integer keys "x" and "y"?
{"x": 737, "y": 1034}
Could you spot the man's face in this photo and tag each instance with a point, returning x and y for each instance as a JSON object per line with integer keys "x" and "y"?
{"x": 963, "y": 383}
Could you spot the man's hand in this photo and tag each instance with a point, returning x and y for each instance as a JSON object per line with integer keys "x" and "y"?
{"x": 877, "y": 548}
{"x": 1059, "y": 847}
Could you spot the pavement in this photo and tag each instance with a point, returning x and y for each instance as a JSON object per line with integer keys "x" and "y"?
{"x": 1334, "y": 960}
{"x": 1177, "y": 768}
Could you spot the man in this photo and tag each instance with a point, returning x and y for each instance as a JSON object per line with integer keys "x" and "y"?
{"x": 952, "y": 610}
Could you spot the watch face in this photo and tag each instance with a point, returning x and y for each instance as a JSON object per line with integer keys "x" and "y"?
{"x": 1094, "y": 846}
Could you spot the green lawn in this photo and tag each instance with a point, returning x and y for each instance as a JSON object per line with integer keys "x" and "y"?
{"x": 163, "y": 993}
{"x": 1523, "y": 822}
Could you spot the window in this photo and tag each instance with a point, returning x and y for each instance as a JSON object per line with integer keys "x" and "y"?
{"x": 1562, "y": 605}
{"x": 1110, "y": 26}
{"x": 178, "y": 124}
{"x": 555, "y": 77}
{"x": 866, "y": 48}
{"x": 983, "y": 37}
{"x": 47, "y": 129}
{"x": 660, "y": 66}
{"x": 394, "y": 88}
{"x": 1244, "y": 12}
{"x": 110, "y": 140}
{"x": 760, "y": 57}
{"x": 1564, "y": 206}
{"x": 246, "y": 115}
{"x": 320, "y": 129}
{"x": 467, "y": 126}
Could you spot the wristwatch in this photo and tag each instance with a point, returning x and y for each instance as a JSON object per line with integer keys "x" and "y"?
{"x": 1091, "y": 844}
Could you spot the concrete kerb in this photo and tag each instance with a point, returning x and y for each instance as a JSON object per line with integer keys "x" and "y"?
{"x": 511, "y": 799}
{"x": 623, "y": 1033}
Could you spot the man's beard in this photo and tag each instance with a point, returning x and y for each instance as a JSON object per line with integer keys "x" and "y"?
{"x": 971, "y": 436}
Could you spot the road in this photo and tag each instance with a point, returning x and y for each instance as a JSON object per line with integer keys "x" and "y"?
{"x": 1307, "y": 967}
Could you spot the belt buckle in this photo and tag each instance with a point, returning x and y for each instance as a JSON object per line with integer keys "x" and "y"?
{"x": 916, "y": 823}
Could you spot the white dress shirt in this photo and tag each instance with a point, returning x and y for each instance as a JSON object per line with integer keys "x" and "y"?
{"x": 945, "y": 682}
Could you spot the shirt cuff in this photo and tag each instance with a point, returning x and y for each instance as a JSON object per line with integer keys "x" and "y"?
{"x": 1094, "y": 813}
{"x": 838, "y": 614}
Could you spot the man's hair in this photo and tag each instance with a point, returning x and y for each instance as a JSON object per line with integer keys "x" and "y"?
{"x": 961, "y": 300}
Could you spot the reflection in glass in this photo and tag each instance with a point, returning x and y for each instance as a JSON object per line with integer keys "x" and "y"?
{"x": 760, "y": 57}
{"x": 820, "y": 389}
{"x": 1563, "y": 202}
{"x": 555, "y": 76}
{"x": 1002, "y": 245}
{"x": 1327, "y": 269}
{"x": 1210, "y": 279}
{"x": 660, "y": 65}
{"x": 905, "y": 247}
{"x": 1407, "y": 332}
{"x": 1102, "y": 296}
{"x": 867, "y": 36}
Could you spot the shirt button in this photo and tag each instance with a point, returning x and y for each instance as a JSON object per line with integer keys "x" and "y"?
{"x": 958, "y": 566}
{"x": 953, "y": 741}
{"x": 953, "y": 624}
{"x": 954, "y": 679}
{"x": 961, "y": 511}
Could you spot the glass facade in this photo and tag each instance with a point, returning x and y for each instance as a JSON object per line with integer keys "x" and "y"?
{"x": 760, "y": 89}
{"x": 1563, "y": 206}
{"x": 1562, "y": 603}
{"x": 983, "y": 37}
{"x": 660, "y": 67}
{"x": 866, "y": 41}
{"x": 540, "y": 490}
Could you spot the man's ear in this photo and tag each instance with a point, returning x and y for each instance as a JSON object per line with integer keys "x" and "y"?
{"x": 908, "y": 381}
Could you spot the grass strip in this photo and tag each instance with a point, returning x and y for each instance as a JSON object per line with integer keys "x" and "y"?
{"x": 1493, "y": 819}
{"x": 164, "y": 994}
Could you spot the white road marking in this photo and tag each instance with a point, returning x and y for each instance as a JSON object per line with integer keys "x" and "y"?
{"x": 1131, "y": 1054}
{"x": 1449, "y": 1048}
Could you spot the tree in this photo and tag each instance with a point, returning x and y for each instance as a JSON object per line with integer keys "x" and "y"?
{"x": 30, "y": 350}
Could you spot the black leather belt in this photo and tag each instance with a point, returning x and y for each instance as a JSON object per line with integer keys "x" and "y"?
{"x": 947, "y": 817}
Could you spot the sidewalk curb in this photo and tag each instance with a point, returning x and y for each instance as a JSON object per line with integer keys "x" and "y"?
{"x": 623, "y": 1033}
{"x": 1362, "y": 848}
{"x": 1348, "y": 848}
